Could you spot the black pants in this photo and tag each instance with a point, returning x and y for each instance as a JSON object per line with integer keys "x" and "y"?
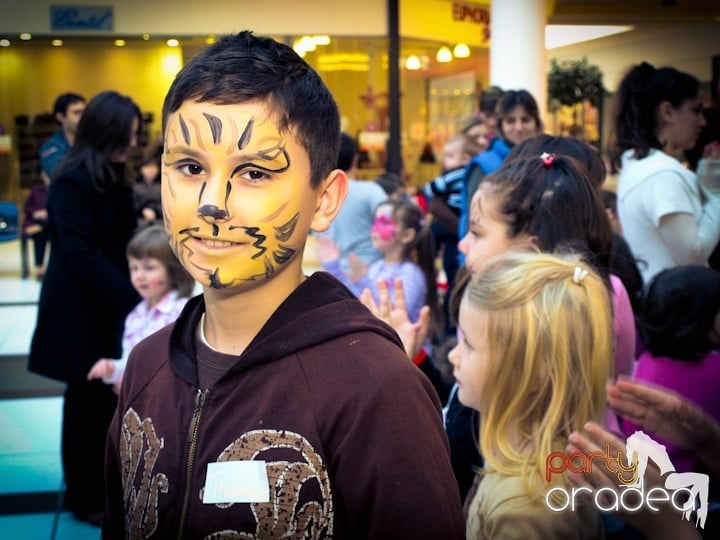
{"x": 40, "y": 240}
{"x": 87, "y": 412}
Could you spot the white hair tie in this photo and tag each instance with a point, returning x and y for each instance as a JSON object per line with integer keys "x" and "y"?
{"x": 579, "y": 275}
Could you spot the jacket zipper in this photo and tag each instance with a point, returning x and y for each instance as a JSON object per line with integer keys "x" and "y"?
{"x": 194, "y": 426}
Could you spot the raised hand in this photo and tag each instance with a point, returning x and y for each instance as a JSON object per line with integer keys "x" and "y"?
{"x": 662, "y": 412}
{"x": 666, "y": 523}
{"x": 412, "y": 335}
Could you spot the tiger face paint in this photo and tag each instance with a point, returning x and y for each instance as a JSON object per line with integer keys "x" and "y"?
{"x": 236, "y": 193}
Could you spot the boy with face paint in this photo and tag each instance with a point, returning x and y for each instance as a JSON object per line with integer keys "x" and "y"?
{"x": 276, "y": 405}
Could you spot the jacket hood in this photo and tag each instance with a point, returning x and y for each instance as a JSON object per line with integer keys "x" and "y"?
{"x": 320, "y": 309}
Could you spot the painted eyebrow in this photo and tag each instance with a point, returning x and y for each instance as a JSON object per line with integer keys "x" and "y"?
{"x": 264, "y": 155}
{"x": 186, "y": 150}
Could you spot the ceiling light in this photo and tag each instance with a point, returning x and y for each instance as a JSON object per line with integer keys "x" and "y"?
{"x": 26, "y": 36}
{"x": 308, "y": 44}
{"x": 4, "y": 42}
{"x": 119, "y": 42}
{"x": 304, "y": 45}
{"x": 443, "y": 54}
{"x": 210, "y": 40}
{"x": 172, "y": 42}
{"x": 461, "y": 50}
{"x": 412, "y": 63}
{"x": 57, "y": 42}
{"x": 321, "y": 40}
{"x": 146, "y": 37}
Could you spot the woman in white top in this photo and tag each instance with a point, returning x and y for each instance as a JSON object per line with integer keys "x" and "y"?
{"x": 667, "y": 218}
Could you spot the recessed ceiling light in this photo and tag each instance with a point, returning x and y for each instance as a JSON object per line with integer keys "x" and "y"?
{"x": 26, "y": 36}
{"x": 461, "y": 50}
{"x": 57, "y": 42}
{"x": 444, "y": 54}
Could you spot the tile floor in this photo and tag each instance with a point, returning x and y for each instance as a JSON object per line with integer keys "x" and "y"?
{"x": 30, "y": 470}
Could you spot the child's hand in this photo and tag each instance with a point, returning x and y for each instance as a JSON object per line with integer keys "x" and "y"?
{"x": 327, "y": 251}
{"x": 102, "y": 369}
{"x": 411, "y": 334}
{"x": 665, "y": 523}
{"x": 358, "y": 267}
{"x": 663, "y": 413}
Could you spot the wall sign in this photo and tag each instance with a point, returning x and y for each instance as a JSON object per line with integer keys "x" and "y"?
{"x": 81, "y": 18}
{"x": 467, "y": 12}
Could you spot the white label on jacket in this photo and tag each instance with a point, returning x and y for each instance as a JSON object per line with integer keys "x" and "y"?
{"x": 236, "y": 482}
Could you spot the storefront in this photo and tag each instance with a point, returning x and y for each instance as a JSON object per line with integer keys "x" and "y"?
{"x": 126, "y": 47}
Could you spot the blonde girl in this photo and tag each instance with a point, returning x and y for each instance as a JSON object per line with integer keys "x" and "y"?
{"x": 534, "y": 357}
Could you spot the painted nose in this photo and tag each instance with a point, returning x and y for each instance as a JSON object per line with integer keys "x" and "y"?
{"x": 211, "y": 213}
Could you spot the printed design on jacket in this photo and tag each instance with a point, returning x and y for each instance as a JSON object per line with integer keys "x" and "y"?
{"x": 140, "y": 443}
{"x": 300, "y": 496}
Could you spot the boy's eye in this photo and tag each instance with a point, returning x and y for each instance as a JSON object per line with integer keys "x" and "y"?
{"x": 255, "y": 175}
{"x": 190, "y": 169}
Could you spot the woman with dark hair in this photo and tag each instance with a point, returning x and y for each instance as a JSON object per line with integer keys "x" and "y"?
{"x": 668, "y": 219}
{"x": 87, "y": 293}
{"x": 518, "y": 119}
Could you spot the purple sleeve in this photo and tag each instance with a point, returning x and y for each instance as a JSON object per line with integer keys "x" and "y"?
{"x": 356, "y": 287}
{"x": 414, "y": 287}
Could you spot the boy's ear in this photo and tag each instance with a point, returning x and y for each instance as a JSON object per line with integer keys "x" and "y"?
{"x": 333, "y": 191}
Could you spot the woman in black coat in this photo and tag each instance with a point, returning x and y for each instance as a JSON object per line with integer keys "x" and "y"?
{"x": 87, "y": 293}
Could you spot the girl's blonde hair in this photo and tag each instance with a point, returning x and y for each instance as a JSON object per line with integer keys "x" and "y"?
{"x": 550, "y": 344}
{"x": 153, "y": 241}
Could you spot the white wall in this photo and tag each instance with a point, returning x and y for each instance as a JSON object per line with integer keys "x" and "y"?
{"x": 688, "y": 48}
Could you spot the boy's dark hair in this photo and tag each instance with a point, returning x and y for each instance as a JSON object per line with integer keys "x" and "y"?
{"x": 103, "y": 131}
{"x": 242, "y": 68}
{"x": 532, "y": 195}
{"x": 517, "y": 98}
{"x": 679, "y": 311}
{"x": 489, "y": 99}
{"x": 390, "y": 182}
{"x": 641, "y": 91}
{"x": 153, "y": 242}
{"x": 63, "y": 101}
{"x": 346, "y": 153}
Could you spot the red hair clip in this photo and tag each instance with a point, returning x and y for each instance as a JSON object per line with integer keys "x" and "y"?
{"x": 547, "y": 159}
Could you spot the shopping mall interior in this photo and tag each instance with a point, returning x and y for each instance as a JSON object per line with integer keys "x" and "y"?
{"x": 444, "y": 60}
